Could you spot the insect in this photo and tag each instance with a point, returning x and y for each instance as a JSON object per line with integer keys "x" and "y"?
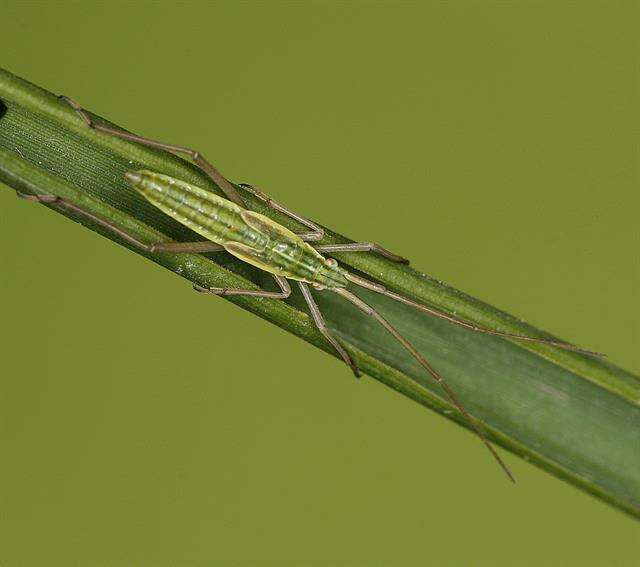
{"x": 228, "y": 225}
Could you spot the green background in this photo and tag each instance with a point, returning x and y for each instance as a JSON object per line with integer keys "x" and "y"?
{"x": 489, "y": 142}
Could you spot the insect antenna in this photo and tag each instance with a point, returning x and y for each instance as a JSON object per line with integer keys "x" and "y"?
{"x": 430, "y": 369}
{"x": 461, "y": 322}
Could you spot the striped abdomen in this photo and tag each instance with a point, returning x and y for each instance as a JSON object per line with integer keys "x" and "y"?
{"x": 250, "y": 236}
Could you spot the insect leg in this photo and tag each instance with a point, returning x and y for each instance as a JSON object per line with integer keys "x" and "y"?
{"x": 226, "y": 186}
{"x": 317, "y": 232}
{"x": 283, "y": 284}
{"x": 175, "y": 247}
{"x": 425, "y": 364}
{"x": 362, "y": 247}
{"x": 318, "y": 319}
{"x": 461, "y": 322}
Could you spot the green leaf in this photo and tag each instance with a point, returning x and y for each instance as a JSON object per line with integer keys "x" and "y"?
{"x": 573, "y": 415}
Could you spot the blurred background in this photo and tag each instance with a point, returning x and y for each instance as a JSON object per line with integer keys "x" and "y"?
{"x": 489, "y": 142}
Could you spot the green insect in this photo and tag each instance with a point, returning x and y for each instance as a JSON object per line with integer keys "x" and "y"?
{"x": 227, "y": 225}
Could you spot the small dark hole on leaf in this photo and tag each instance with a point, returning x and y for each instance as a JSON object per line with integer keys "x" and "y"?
{"x": 3, "y": 109}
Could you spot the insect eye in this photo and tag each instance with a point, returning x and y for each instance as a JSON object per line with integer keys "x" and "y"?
{"x": 317, "y": 286}
{"x": 331, "y": 262}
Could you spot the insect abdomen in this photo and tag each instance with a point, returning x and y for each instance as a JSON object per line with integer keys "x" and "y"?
{"x": 204, "y": 212}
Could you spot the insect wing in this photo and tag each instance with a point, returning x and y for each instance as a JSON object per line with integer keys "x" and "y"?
{"x": 269, "y": 228}
{"x": 249, "y": 255}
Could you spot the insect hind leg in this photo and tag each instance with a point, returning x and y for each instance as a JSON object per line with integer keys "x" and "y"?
{"x": 169, "y": 247}
{"x": 225, "y": 185}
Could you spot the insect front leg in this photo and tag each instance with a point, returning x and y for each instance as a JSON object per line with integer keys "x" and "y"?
{"x": 283, "y": 284}
{"x": 219, "y": 179}
{"x": 170, "y": 247}
{"x": 318, "y": 319}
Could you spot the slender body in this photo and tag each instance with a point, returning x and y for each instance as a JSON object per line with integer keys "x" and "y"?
{"x": 250, "y": 236}
{"x": 227, "y": 224}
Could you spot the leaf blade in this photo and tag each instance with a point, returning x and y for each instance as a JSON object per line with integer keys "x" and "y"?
{"x": 532, "y": 399}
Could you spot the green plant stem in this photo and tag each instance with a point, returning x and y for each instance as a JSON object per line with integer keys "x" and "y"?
{"x": 587, "y": 414}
